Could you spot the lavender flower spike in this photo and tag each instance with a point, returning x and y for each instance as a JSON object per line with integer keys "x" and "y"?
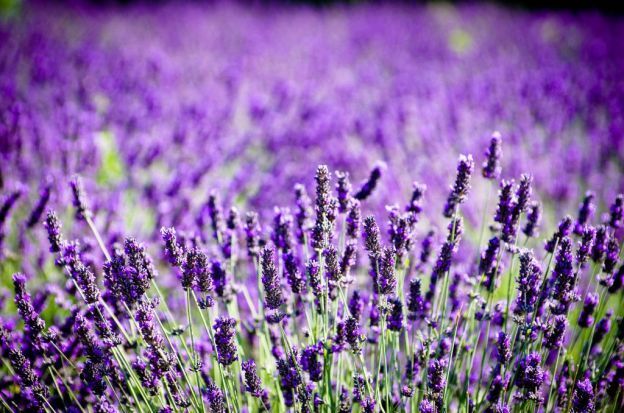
{"x": 367, "y": 187}
{"x": 461, "y": 187}
{"x": 80, "y": 198}
{"x": 491, "y": 166}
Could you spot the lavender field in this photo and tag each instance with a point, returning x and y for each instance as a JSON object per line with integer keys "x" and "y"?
{"x": 221, "y": 207}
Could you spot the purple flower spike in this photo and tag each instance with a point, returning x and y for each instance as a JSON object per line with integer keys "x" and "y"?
{"x": 303, "y": 214}
{"x": 37, "y": 211}
{"x": 80, "y": 198}
{"x": 252, "y": 234}
{"x": 173, "y": 250}
{"x": 372, "y": 237}
{"x": 461, "y": 187}
{"x": 224, "y": 332}
{"x": 368, "y": 186}
{"x": 53, "y": 226}
{"x": 586, "y": 210}
{"x": 491, "y": 166}
{"x": 586, "y": 318}
{"x": 343, "y": 188}
{"x": 530, "y": 377}
{"x": 617, "y": 212}
{"x": 534, "y": 218}
{"x": 270, "y": 280}
{"x": 563, "y": 231}
{"x": 25, "y": 308}
{"x": 583, "y": 401}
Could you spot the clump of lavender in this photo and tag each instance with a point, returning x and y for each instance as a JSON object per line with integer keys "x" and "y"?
{"x": 301, "y": 314}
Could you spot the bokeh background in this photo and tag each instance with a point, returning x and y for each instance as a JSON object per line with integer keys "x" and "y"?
{"x": 156, "y": 104}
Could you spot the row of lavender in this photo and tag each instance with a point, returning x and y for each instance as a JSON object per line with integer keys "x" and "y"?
{"x": 283, "y": 315}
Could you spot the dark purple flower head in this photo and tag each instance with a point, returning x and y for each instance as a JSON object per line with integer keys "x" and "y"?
{"x": 400, "y": 228}
{"x": 436, "y": 375}
{"x": 332, "y": 266}
{"x": 503, "y": 348}
{"x": 80, "y": 198}
{"x": 564, "y": 229}
{"x": 282, "y": 224}
{"x": 195, "y": 271}
{"x": 461, "y": 187}
{"x": 523, "y": 195}
{"x": 602, "y": 328}
{"x": 323, "y": 195}
{"x": 273, "y": 298}
{"x": 583, "y": 401}
{"x": 611, "y": 256}
{"x": 356, "y": 304}
{"x": 29, "y": 380}
{"x": 220, "y": 279}
{"x": 564, "y": 277}
{"x": 369, "y": 185}
{"x": 303, "y": 214}
{"x": 499, "y": 384}
{"x": 554, "y": 335}
{"x": 353, "y": 334}
{"x": 313, "y": 275}
{"x": 215, "y": 213}
{"x": 252, "y": 381}
{"x": 8, "y": 202}
{"x": 290, "y": 379}
{"x": 586, "y": 210}
{"x": 216, "y": 399}
{"x": 395, "y": 316}
{"x": 145, "y": 317}
{"x": 415, "y": 206}
{"x": 53, "y": 226}
{"x": 353, "y": 220}
{"x": 534, "y": 217}
{"x": 426, "y": 406}
{"x": 343, "y": 188}
{"x": 586, "y": 318}
{"x": 491, "y": 166}
{"x": 37, "y": 211}
{"x": 617, "y": 281}
{"x": 252, "y": 233}
{"x": 372, "y": 237}
{"x": 224, "y": 336}
{"x": 588, "y": 234}
{"x": 24, "y": 305}
{"x": 386, "y": 280}
{"x": 79, "y": 272}
{"x": 600, "y": 244}
{"x": 310, "y": 361}
{"x": 233, "y": 219}
{"x": 530, "y": 377}
{"x": 529, "y": 278}
{"x": 427, "y": 247}
{"x": 415, "y": 301}
{"x": 505, "y": 202}
{"x": 291, "y": 270}
{"x": 173, "y": 250}
{"x": 617, "y": 212}
{"x": 138, "y": 259}
{"x": 488, "y": 264}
